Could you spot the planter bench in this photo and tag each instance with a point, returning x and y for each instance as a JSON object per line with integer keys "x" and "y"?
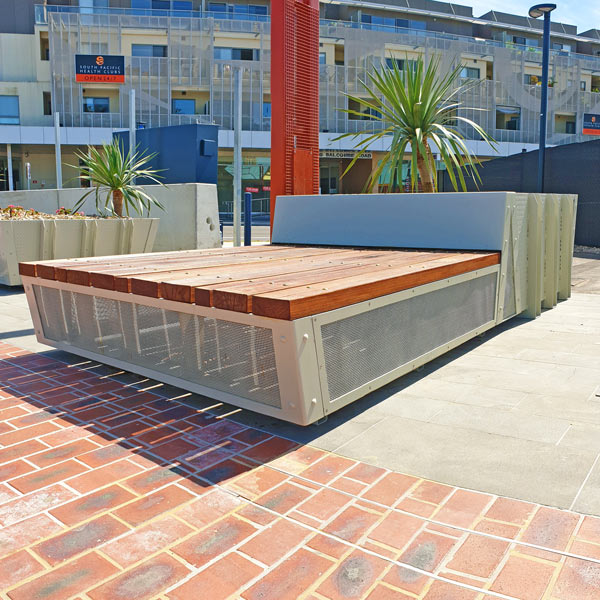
{"x": 298, "y": 331}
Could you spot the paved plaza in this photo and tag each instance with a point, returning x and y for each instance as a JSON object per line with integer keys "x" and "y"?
{"x": 447, "y": 484}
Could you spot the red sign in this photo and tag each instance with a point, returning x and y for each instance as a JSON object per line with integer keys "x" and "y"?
{"x": 252, "y": 189}
{"x": 266, "y": 188}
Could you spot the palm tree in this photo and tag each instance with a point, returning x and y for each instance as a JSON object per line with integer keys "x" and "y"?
{"x": 418, "y": 107}
{"x": 112, "y": 173}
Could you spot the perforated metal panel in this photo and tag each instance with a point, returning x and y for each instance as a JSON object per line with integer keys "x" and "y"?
{"x": 361, "y": 348}
{"x": 227, "y": 356}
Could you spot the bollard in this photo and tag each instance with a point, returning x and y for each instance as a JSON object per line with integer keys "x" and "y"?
{"x": 248, "y": 219}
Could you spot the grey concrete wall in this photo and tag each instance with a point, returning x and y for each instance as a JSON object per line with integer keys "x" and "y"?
{"x": 190, "y": 219}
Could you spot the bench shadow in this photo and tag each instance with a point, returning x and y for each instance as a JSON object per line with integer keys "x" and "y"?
{"x": 162, "y": 423}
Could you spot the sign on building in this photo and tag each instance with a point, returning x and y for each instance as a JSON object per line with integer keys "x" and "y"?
{"x": 350, "y": 154}
{"x": 96, "y": 68}
{"x": 591, "y": 124}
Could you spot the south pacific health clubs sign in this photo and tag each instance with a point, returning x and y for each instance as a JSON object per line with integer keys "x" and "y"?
{"x": 99, "y": 68}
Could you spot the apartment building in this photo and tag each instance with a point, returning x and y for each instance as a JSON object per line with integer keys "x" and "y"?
{"x": 180, "y": 56}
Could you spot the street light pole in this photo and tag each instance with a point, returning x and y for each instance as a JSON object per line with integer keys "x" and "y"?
{"x": 537, "y": 11}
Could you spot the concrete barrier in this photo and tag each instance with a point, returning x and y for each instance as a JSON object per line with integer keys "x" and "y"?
{"x": 190, "y": 219}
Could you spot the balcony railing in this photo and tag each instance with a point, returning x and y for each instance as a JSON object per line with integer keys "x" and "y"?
{"x": 327, "y": 25}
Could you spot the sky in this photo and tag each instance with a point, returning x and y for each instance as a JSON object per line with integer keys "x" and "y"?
{"x": 583, "y": 13}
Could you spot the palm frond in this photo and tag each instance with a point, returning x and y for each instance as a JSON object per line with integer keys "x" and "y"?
{"x": 418, "y": 107}
{"x": 109, "y": 170}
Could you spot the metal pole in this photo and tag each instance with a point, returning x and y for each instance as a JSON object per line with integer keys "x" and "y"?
{"x": 10, "y": 167}
{"x": 132, "y": 143}
{"x": 544, "y": 106}
{"x": 57, "y": 150}
{"x": 248, "y": 219}
{"x": 237, "y": 156}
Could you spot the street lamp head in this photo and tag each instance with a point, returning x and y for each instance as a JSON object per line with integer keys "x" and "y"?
{"x": 539, "y": 10}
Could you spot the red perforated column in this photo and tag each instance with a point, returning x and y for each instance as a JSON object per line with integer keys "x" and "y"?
{"x": 294, "y": 98}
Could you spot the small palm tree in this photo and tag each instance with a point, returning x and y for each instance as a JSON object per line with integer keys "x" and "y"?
{"x": 419, "y": 107}
{"x": 112, "y": 173}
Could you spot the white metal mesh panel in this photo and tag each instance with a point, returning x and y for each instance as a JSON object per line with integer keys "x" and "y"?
{"x": 230, "y": 357}
{"x": 361, "y": 348}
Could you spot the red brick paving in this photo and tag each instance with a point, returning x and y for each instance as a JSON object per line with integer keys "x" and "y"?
{"x": 110, "y": 492}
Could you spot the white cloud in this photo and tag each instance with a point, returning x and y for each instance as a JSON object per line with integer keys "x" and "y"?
{"x": 583, "y": 13}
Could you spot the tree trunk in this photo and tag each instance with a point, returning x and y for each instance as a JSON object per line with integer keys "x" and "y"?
{"x": 425, "y": 173}
{"x": 117, "y": 202}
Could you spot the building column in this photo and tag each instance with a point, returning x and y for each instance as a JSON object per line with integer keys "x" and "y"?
{"x": 9, "y": 167}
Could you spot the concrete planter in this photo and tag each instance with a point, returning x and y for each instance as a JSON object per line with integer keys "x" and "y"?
{"x": 190, "y": 219}
{"x": 48, "y": 239}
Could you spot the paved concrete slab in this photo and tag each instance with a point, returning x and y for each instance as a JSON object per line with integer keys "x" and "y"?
{"x": 516, "y": 412}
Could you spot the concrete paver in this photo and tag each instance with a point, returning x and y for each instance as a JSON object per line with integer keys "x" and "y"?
{"x": 266, "y": 518}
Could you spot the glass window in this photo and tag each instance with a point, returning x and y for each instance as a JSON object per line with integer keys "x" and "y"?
{"x": 470, "y": 73}
{"x": 266, "y": 110}
{"x": 519, "y": 40}
{"x": 236, "y": 53}
{"x": 508, "y": 117}
{"x": 570, "y": 127}
{"x": 141, "y": 3}
{"x": 9, "y": 110}
{"x": 255, "y": 9}
{"x": 582, "y": 86}
{"x": 183, "y": 106}
{"x": 531, "y": 79}
{"x": 47, "y": 101}
{"x": 322, "y": 58}
{"x": 182, "y": 5}
{"x": 148, "y": 50}
{"x": 403, "y": 23}
{"x": 366, "y": 112}
{"x": 96, "y": 105}
{"x": 217, "y": 7}
{"x": 418, "y": 25}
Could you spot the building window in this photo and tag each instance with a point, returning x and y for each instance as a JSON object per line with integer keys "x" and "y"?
{"x": 183, "y": 106}
{"x": 582, "y": 86}
{"x": 90, "y": 7}
{"x": 9, "y": 110}
{"x": 266, "y": 110}
{"x": 236, "y": 53}
{"x": 47, "y": 100}
{"x": 401, "y": 63}
{"x": 508, "y": 117}
{"x": 531, "y": 79}
{"x": 322, "y": 58}
{"x": 366, "y": 112}
{"x": 96, "y": 105}
{"x": 149, "y": 50}
{"x": 565, "y": 123}
{"x": 44, "y": 47}
{"x": 469, "y": 73}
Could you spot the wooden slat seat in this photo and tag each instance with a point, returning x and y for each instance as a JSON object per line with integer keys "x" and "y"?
{"x": 282, "y": 282}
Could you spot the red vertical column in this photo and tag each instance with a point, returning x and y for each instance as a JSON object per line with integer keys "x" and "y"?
{"x": 294, "y": 98}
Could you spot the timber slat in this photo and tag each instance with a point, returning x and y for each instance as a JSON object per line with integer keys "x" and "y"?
{"x": 103, "y": 276}
{"x": 198, "y": 289}
{"x": 294, "y": 303}
{"x": 58, "y": 268}
{"x": 151, "y": 284}
{"x": 238, "y": 295}
{"x": 48, "y": 266}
